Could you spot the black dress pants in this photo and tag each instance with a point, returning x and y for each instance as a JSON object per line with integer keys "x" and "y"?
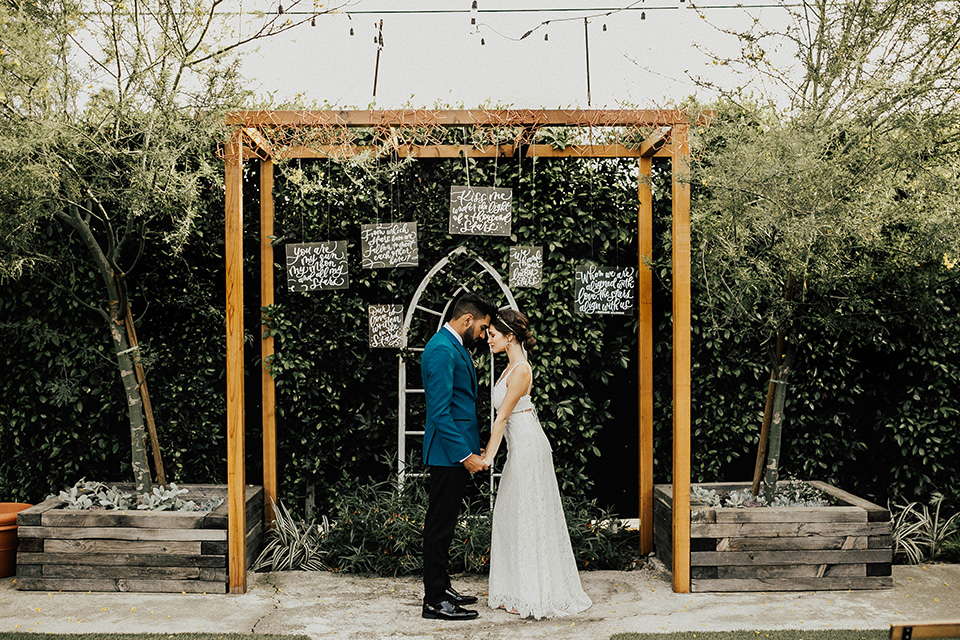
{"x": 445, "y": 490}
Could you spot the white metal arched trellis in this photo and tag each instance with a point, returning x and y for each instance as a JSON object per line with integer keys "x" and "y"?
{"x": 415, "y": 307}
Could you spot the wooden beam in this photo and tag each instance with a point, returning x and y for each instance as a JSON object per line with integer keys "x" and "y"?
{"x": 259, "y": 145}
{"x": 339, "y": 152}
{"x": 236, "y": 476}
{"x": 467, "y": 117}
{"x": 645, "y": 353}
{"x": 268, "y": 387}
{"x": 654, "y": 142}
{"x": 681, "y": 358}
{"x": 927, "y": 629}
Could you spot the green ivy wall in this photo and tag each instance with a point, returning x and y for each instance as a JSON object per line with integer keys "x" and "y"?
{"x": 875, "y": 417}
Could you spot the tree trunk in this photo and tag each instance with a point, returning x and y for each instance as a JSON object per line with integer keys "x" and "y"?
{"x": 114, "y": 316}
{"x": 776, "y": 424}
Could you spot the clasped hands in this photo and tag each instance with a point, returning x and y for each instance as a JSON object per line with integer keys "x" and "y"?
{"x": 476, "y": 463}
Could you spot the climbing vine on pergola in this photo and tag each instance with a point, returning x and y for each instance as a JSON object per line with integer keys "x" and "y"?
{"x": 269, "y": 136}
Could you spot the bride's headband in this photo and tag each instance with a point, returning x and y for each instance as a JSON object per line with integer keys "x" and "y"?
{"x": 509, "y": 326}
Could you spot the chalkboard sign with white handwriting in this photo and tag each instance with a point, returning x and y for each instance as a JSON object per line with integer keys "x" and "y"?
{"x": 317, "y": 265}
{"x": 386, "y": 326}
{"x": 604, "y": 290}
{"x": 526, "y": 267}
{"x": 481, "y": 211}
{"x": 388, "y": 245}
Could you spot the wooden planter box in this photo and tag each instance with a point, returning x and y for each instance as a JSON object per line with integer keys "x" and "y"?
{"x": 848, "y": 546}
{"x": 151, "y": 551}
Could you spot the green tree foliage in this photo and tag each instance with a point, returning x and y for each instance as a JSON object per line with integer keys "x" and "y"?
{"x": 108, "y": 113}
{"x": 835, "y": 214}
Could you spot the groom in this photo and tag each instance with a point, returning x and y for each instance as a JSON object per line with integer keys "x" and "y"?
{"x": 451, "y": 446}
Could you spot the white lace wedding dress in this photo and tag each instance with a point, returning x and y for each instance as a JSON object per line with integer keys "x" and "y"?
{"x": 532, "y": 568}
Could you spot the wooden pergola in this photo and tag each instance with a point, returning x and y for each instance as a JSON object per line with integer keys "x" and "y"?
{"x": 254, "y": 133}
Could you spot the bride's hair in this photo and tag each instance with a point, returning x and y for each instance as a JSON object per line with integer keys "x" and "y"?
{"x": 509, "y": 321}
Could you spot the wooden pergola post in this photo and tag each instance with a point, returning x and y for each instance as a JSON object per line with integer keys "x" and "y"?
{"x": 670, "y": 139}
{"x": 681, "y": 358}
{"x": 236, "y": 470}
{"x": 645, "y": 352}
{"x": 269, "y": 389}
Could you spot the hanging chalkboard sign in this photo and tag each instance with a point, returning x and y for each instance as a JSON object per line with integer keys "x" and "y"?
{"x": 388, "y": 245}
{"x": 526, "y": 267}
{"x": 481, "y": 211}
{"x": 317, "y": 265}
{"x": 604, "y": 290}
{"x": 386, "y": 326}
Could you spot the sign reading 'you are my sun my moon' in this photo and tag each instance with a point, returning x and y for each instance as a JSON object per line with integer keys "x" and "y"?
{"x": 317, "y": 265}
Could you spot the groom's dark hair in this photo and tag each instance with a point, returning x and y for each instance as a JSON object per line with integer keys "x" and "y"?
{"x": 474, "y": 304}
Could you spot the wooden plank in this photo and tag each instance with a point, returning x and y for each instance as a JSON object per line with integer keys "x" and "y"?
{"x": 645, "y": 353}
{"x": 437, "y": 151}
{"x": 114, "y": 571}
{"x": 875, "y": 513}
{"x": 120, "y": 584}
{"x": 236, "y": 459}
{"x": 471, "y": 117}
{"x": 926, "y": 629}
{"x": 210, "y": 573}
{"x": 29, "y": 570}
{"x": 791, "y": 514}
{"x": 788, "y": 529}
{"x": 790, "y": 544}
{"x": 32, "y": 515}
{"x": 122, "y": 546}
{"x": 681, "y": 357}
{"x": 812, "y": 557}
{"x": 788, "y": 571}
{"x": 123, "y": 559}
{"x": 268, "y": 387}
{"x": 118, "y": 533}
{"x": 139, "y": 519}
{"x": 791, "y": 584}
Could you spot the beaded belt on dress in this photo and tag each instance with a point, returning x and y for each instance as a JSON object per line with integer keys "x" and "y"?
{"x": 521, "y": 411}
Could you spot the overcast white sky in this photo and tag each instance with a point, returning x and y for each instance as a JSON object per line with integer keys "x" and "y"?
{"x": 432, "y": 58}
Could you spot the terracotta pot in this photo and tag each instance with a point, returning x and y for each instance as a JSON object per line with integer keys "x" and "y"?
{"x": 8, "y": 536}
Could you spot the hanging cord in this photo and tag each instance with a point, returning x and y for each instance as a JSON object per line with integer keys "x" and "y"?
{"x": 496, "y": 158}
{"x": 466, "y": 159}
{"x": 329, "y": 194}
{"x": 303, "y": 232}
{"x": 533, "y": 189}
{"x": 593, "y": 217}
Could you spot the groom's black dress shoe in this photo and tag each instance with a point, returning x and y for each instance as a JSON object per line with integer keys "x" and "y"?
{"x": 447, "y": 610}
{"x": 458, "y": 599}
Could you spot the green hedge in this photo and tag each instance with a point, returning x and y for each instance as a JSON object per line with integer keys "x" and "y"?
{"x": 876, "y": 417}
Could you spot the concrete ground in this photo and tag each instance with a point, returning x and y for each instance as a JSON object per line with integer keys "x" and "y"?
{"x": 326, "y": 605}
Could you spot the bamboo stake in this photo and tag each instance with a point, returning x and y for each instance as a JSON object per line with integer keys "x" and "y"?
{"x": 145, "y": 397}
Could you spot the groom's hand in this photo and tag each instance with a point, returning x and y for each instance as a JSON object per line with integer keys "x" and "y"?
{"x": 475, "y": 463}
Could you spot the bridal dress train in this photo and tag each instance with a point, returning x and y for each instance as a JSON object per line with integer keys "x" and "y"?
{"x": 532, "y": 568}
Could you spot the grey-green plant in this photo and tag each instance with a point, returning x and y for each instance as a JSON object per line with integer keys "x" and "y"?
{"x": 920, "y": 531}
{"x": 88, "y": 494}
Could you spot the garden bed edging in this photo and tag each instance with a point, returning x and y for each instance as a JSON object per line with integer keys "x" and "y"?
{"x": 848, "y": 546}
{"x": 133, "y": 550}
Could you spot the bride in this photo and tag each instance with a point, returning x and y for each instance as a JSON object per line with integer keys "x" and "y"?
{"x": 532, "y": 569}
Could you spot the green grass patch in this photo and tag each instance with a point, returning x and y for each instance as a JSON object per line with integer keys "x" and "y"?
{"x": 783, "y": 634}
{"x": 148, "y": 636}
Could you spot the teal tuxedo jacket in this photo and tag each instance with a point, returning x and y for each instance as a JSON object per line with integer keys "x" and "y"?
{"x": 450, "y": 386}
